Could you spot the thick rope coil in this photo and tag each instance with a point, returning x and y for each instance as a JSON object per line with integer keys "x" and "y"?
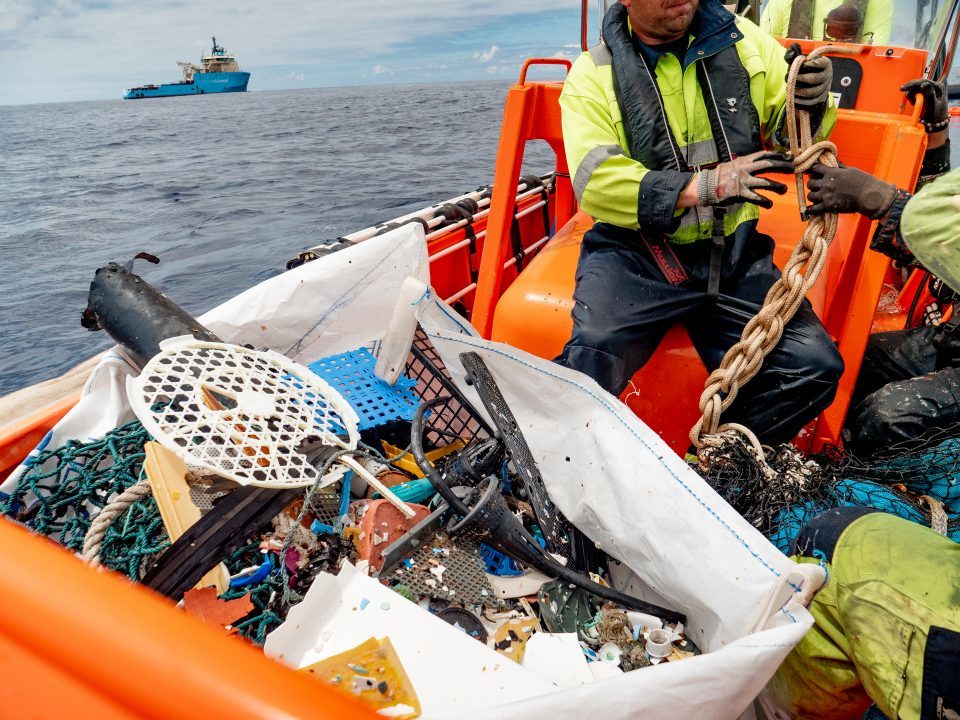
{"x": 98, "y": 528}
{"x": 761, "y": 335}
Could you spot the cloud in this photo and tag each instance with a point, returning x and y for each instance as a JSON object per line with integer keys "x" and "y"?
{"x": 381, "y": 70}
{"x": 54, "y": 50}
{"x": 294, "y": 76}
{"x": 487, "y": 56}
{"x": 572, "y": 45}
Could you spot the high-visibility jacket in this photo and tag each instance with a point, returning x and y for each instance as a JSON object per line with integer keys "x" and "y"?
{"x": 669, "y": 123}
{"x": 930, "y": 228}
{"x": 887, "y": 628}
{"x": 877, "y": 20}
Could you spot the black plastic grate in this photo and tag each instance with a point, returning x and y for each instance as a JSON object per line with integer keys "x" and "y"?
{"x": 554, "y": 526}
{"x": 454, "y": 419}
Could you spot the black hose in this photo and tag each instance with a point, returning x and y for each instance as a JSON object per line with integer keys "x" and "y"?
{"x": 417, "y": 426}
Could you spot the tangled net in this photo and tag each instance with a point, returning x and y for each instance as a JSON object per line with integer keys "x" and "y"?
{"x": 919, "y": 482}
{"x": 63, "y": 490}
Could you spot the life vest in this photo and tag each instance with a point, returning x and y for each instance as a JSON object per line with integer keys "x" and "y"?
{"x": 723, "y": 81}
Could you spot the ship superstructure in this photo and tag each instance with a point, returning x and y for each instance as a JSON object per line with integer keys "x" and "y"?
{"x": 217, "y": 72}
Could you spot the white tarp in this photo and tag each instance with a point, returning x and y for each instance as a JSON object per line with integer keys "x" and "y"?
{"x": 678, "y": 542}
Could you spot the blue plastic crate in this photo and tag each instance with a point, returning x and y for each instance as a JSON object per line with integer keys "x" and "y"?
{"x": 375, "y": 402}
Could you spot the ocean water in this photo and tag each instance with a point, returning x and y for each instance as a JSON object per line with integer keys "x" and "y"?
{"x": 222, "y": 188}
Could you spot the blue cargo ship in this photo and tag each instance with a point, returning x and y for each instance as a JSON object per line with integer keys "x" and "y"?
{"x": 218, "y": 72}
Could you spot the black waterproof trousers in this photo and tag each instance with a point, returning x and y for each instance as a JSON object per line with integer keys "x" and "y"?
{"x": 908, "y": 391}
{"x": 624, "y": 305}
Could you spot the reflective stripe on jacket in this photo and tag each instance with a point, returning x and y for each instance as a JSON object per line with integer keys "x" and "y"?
{"x": 610, "y": 183}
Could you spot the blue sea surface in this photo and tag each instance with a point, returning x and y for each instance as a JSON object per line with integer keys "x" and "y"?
{"x": 222, "y": 188}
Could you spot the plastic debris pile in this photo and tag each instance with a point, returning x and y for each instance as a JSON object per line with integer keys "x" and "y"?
{"x": 428, "y": 508}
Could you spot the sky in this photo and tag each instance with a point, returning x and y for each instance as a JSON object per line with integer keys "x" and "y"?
{"x": 67, "y": 50}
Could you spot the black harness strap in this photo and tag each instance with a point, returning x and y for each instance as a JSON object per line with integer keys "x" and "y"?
{"x": 718, "y": 238}
{"x": 516, "y": 241}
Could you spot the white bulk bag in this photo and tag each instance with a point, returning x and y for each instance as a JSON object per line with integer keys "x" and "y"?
{"x": 678, "y": 543}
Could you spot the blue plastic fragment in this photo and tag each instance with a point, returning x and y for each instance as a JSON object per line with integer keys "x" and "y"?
{"x": 319, "y": 528}
{"x": 408, "y": 563}
{"x": 345, "y": 493}
{"x": 497, "y": 563}
{"x": 256, "y": 576}
{"x": 375, "y": 402}
{"x": 364, "y": 603}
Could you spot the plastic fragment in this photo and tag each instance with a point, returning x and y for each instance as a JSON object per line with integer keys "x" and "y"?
{"x": 374, "y": 673}
{"x": 205, "y": 605}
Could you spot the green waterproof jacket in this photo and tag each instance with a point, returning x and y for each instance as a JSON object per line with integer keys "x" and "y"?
{"x": 886, "y": 631}
{"x": 608, "y": 181}
{"x": 930, "y": 227}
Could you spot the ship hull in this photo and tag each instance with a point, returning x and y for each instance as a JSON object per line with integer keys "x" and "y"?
{"x": 203, "y": 84}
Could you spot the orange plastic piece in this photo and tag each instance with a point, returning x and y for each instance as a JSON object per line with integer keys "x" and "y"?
{"x": 532, "y": 112}
{"x": 17, "y": 440}
{"x": 96, "y": 644}
{"x": 381, "y": 525}
{"x": 204, "y": 605}
{"x": 534, "y": 312}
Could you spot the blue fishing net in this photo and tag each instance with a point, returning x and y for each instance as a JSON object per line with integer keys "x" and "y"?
{"x": 898, "y": 483}
{"x": 856, "y": 493}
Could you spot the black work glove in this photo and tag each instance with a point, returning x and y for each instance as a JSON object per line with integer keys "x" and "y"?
{"x": 935, "y": 115}
{"x": 738, "y": 180}
{"x": 813, "y": 80}
{"x": 846, "y": 189}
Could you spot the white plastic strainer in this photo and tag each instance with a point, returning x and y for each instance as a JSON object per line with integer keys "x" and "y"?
{"x": 241, "y": 414}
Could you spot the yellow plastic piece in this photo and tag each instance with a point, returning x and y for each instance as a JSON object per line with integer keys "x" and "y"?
{"x": 407, "y": 464}
{"x": 373, "y": 672}
{"x": 167, "y": 475}
{"x": 510, "y": 639}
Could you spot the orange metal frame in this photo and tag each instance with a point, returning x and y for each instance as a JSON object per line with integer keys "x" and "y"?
{"x": 532, "y": 112}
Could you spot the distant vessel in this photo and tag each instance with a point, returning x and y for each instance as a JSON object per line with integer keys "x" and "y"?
{"x": 218, "y": 72}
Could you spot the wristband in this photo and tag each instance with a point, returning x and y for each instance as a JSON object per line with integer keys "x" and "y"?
{"x": 936, "y": 126}
{"x": 707, "y": 188}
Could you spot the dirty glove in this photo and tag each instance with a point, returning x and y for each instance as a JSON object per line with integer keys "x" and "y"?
{"x": 935, "y": 115}
{"x": 738, "y": 180}
{"x": 813, "y": 80}
{"x": 846, "y": 189}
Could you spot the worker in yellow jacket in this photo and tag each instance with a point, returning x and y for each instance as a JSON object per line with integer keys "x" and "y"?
{"x": 664, "y": 126}
{"x": 887, "y": 622}
{"x": 861, "y": 21}
{"x": 887, "y": 630}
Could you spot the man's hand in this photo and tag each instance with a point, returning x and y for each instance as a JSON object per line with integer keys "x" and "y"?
{"x": 739, "y": 179}
{"x": 935, "y": 115}
{"x": 846, "y": 189}
{"x": 813, "y": 80}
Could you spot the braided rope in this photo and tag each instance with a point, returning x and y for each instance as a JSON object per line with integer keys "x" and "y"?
{"x": 761, "y": 335}
{"x": 98, "y": 528}
{"x": 939, "y": 520}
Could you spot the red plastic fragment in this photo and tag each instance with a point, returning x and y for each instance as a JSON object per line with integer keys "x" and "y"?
{"x": 205, "y": 604}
